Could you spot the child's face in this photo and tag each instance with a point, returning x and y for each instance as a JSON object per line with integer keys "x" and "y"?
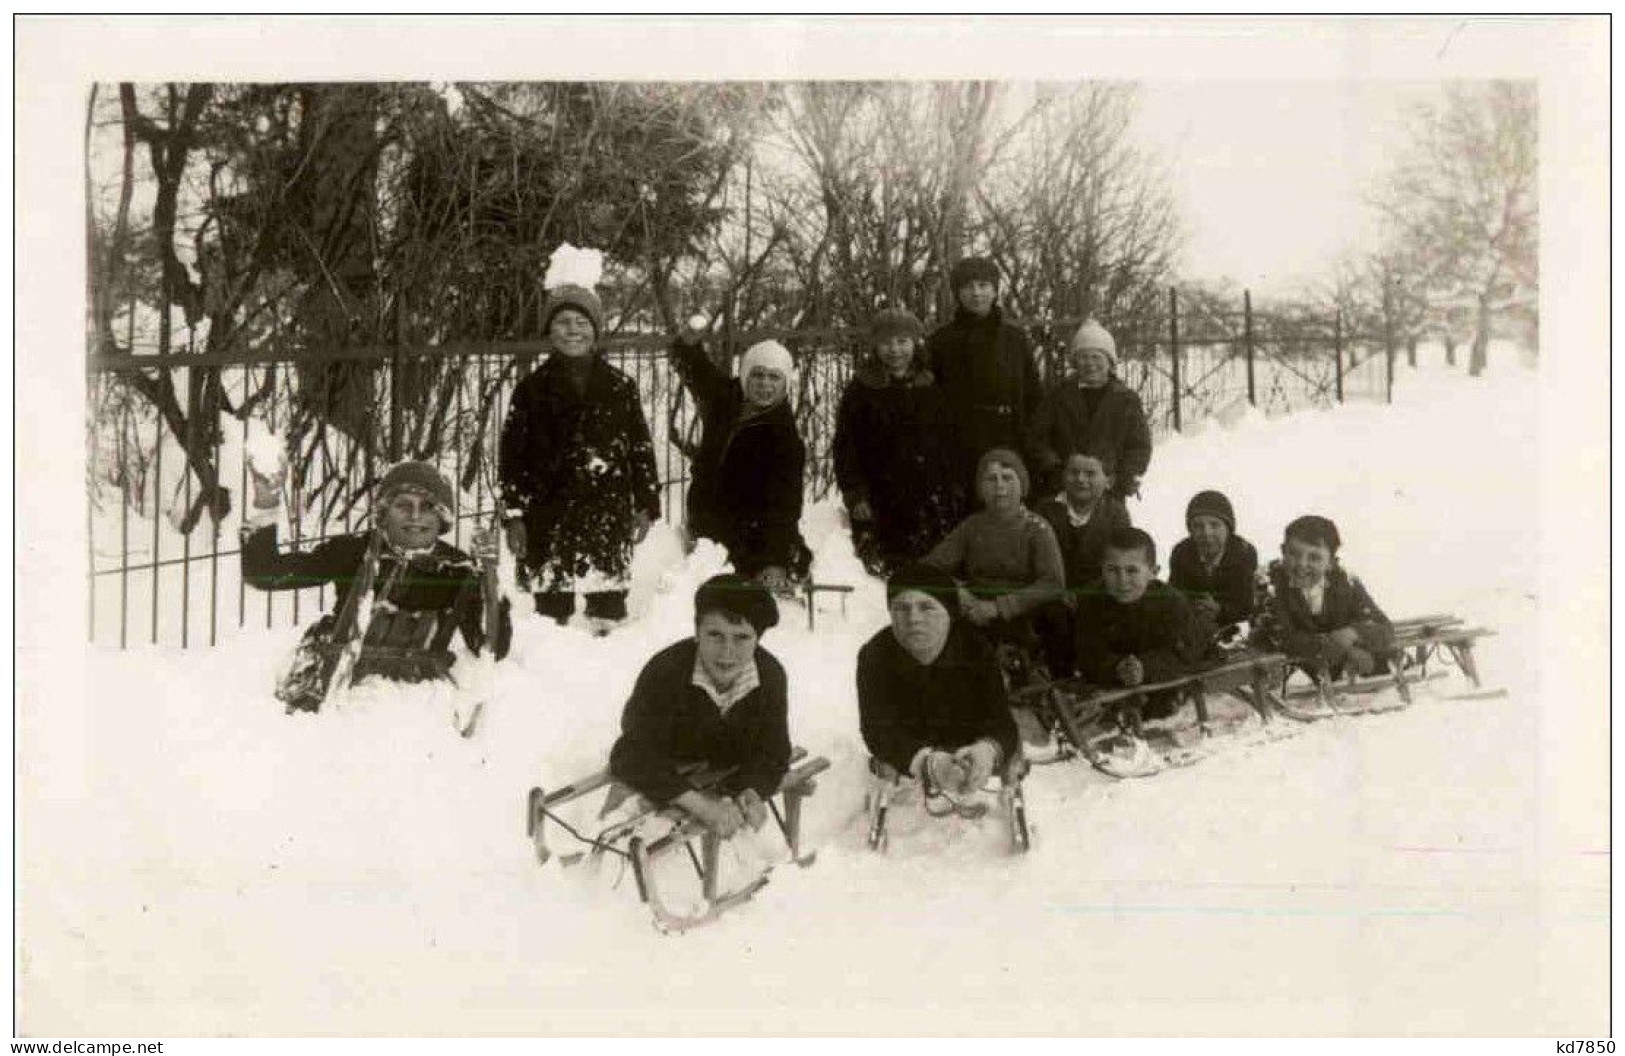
{"x": 571, "y": 332}
{"x": 1090, "y": 366}
{"x": 1210, "y": 534}
{"x": 1126, "y": 573}
{"x": 411, "y": 520}
{"x": 1000, "y": 487}
{"x": 764, "y": 386}
{"x": 897, "y": 354}
{"x": 920, "y": 622}
{"x": 1085, "y": 480}
{"x": 976, "y": 296}
{"x": 726, "y": 645}
{"x": 1306, "y": 563}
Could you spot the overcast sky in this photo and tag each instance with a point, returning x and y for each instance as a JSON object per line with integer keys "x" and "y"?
{"x": 1270, "y": 176}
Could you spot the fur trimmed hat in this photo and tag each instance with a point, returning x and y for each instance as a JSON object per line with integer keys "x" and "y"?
{"x": 895, "y": 322}
{"x": 1010, "y": 460}
{"x": 973, "y": 269}
{"x": 929, "y": 580}
{"x": 1315, "y": 529}
{"x": 581, "y": 299}
{"x": 1211, "y": 504}
{"x": 1091, "y": 335}
{"x": 739, "y": 598}
{"x": 420, "y": 477}
{"x": 773, "y": 356}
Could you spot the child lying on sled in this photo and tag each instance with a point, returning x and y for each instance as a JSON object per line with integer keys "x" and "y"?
{"x": 1138, "y": 629}
{"x": 931, "y": 702}
{"x": 424, "y": 591}
{"x": 718, "y": 699}
{"x": 1317, "y": 612}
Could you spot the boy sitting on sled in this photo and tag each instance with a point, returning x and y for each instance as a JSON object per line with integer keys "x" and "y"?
{"x": 931, "y": 702}
{"x": 1138, "y": 629}
{"x": 1317, "y": 612}
{"x": 423, "y": 591}
{"x": 718, "y": 699}
{"x": 1084, "y": 515}
{"x": 1214, "y": 567}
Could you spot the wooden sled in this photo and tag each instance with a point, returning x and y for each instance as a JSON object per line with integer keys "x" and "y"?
{"x": 1417, "y": 642}
{"x": 623, "y": 839}
{"x": 810, "y": 592}
{"x": 886, "y": 782}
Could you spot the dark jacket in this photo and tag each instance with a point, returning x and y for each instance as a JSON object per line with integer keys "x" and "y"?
{"x": 1231, "y": 584}
{"x": 444, "y": 582}
{"x": 1105, "y": 421}
{"x": 747, "y": 473}
{"x": 1290, "y": 627}
{"x": 1082, "y": 548}
{"x": 1161, "y": 629}
{"x": 669, "y": 721}
{"x": 957, "y": 699}
{"x": 894, "y": 449}
{"x": 985, "y": 368}
{"x": 578, "y": 464}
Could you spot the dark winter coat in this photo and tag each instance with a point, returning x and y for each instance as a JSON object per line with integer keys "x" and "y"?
{"x": 895, "y": 449}
{"x": 1105, "y": 421}
{"x": 1232, "y": 583}
{"x": 443, "y": 584}
{"x": 748, "y": 471}
{"x": 955, "y": 700}
{"x": 579, "y": 465}
{"x": 1083, "y": 547}
{"x": 1161, "y": 629}
{"x": 985, "y": 368}
{"x": 1290, "y": 627}
{"x": 669, "y": 722}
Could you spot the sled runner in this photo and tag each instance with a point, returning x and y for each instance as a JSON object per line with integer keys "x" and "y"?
{"x": 886, "y": 783}
{"x": 1417, "y": 642}
{"x": 1106, "y": 727}
{"x": 624, "y": 838}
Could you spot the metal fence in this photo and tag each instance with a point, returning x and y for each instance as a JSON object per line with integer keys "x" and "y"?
{"x": 150, "y": 582}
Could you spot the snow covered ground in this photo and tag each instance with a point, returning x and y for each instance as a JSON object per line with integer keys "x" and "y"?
{"x": 192, "y": 861}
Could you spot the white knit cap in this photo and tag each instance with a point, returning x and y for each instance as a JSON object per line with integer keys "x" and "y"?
{"x": 1092, "y": 335}
{"x": 769, "y": 354}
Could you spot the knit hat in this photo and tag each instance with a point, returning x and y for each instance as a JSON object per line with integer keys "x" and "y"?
{"x": 581, "y": 299}
{"x": 739, "y": 598}
{"x": 1010, "y": 460}
{"x": 769, "y": 354}
{"x": 895, "y": 322}
{"x": 1091, "y": 335}
{"x": 973, "y": 269}
{"x": 929, "y": 580}
{"x": 421, "y": 477}
{"x": 1314, "y": 529}
{"x": 1211, "y": 504}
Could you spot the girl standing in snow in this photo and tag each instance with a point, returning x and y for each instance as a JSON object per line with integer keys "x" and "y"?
{"x": 748, "y": 471}
{"x": 577, "y": 469}
{"x": 424, "y": 590}
{"x": 1092, "y": 411}
{"x": 894, "y": 450}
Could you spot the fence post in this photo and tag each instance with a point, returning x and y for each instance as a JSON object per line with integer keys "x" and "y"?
{"x": 1388, "y": 350}
{"x": 1247, "y": 337}
{"x": 1337, "y": 352}
{"x": 1173, "y": 347}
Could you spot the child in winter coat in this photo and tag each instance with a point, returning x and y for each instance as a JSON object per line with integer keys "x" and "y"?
{"x": 1317, "y": 612}
{"x": 1005, "y": 554}
{"x": 422, "y": 593}
{"x": 894, "y": 450}
{"x": 984, "y": 366}
{"x": 1092, "y": 411}
{"x": 718, "y": 699}
{"x": 1083, "y": 516}
{"x": 1138, "y": 629}
{"x": 577, "y": 470}
{"x": 748, "y": 472}
{"x": 1214, "y": 567}
{"x": 931, "y": 702}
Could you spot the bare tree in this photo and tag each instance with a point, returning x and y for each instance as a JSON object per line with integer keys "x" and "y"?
{"x": 1463, "y": 202}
